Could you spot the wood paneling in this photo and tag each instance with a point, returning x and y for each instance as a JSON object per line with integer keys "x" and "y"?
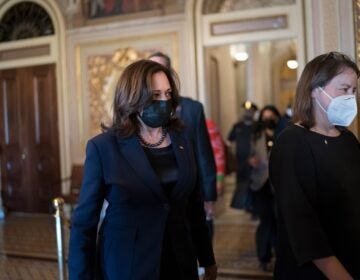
{"x": 29, "y": 138}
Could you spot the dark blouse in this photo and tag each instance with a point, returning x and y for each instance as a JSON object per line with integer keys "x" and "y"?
{"x": 164, "y": 164}
{"x": 317, "y": 189}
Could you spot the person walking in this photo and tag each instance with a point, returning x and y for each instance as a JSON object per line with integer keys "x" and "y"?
{"x": 314, "y": 170}
{"x": 143, "y": 165}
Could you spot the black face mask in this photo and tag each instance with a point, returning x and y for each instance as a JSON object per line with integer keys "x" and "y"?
{"x": 271, "y": 124}
{"x": 248, "y": 118}
{"x": 157, "y": 113}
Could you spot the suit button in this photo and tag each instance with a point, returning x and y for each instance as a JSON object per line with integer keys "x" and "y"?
{"x": 166, "y": 206}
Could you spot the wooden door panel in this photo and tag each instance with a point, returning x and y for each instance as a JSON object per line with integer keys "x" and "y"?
{"x": 13, "y": 191}
{"x": 29, "y": 138}
{"x": 44, "y": 137}
{"x": 11, "y": 147}
{"x": 11, "y": 115}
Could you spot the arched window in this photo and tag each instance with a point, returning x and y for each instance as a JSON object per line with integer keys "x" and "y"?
{"x": 25, "y": 20}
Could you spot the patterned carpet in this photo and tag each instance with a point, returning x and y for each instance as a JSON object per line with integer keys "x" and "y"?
{"x": 24, "y": 235}
{"x": 234, "y": 244}
{"x": 27, "y": 269}
{"x": 28, "y": 247}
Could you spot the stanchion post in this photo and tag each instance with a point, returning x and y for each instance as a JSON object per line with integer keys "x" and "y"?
{"x": 58, "y": 204}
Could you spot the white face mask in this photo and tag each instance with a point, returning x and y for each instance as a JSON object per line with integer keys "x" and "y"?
{"x": 341, "y": 110}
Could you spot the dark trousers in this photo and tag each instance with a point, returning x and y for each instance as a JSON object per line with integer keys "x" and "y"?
{"x": 210, "y": 226}
{"x": 266, "y": 231}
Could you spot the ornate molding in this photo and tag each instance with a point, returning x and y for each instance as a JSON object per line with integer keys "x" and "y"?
{"x": 225, "y": 6}
{"x": 25, "y": 20}
{"x": 104, "y": 72}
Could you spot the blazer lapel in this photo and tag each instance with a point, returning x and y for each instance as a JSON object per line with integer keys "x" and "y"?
{"x": 136, "y": 157}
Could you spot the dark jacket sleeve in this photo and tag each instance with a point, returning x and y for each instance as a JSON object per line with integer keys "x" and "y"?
{"x": 204, "y": 156}
{"x": 199, "y": 229}
{"x": 232, "y": 134}
{"x": 293, "y": 176}
{"x": 82, "y": 247}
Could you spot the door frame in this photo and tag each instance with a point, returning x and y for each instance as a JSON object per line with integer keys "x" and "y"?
{"x": 57, "y": 56}
{"x": 206, "y": 36}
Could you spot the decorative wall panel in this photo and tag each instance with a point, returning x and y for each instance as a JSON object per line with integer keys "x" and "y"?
{"x": 103, "y": 74}
{"x": 99, "y": 66}
{"x": 224, "y": 6}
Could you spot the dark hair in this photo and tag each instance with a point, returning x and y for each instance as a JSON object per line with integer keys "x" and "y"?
{"x": 164, "y": 56}
{"x": 248, "y": 105}
{"x": 259, "y": 126}
{"x": 318, "y": 73}
{"x": 133, "y": 92}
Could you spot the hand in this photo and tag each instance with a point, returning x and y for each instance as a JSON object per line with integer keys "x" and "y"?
{"x": 254, "y": 161}
{"x": 220, "y": 188}
{"x": 210, "y": 272}
{"x": 209, "y": 209}
{"x": 332, "y": 268}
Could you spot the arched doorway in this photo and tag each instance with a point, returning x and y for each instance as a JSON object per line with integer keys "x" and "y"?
{"x": 31, "y": 105}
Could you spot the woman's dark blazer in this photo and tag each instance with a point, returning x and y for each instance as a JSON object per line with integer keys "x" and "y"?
{"x": 129, "y": 243}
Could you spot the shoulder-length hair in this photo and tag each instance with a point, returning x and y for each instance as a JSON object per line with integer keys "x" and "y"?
{"x": 259, "y": 125}
{"x": 133, "y": 93}
{"x": 317, "y": 73}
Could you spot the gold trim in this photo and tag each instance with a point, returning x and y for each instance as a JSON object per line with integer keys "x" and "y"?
{"x": 79, "y": 97}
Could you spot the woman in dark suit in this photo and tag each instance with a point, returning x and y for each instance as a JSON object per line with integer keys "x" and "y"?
{"x": 143, "y": 166}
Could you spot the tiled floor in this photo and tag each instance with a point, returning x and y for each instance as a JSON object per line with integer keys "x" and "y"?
{"x": 28, "y": 246}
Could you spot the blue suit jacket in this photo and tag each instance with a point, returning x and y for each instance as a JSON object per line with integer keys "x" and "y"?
{"x": 192, "y": 114}
{"x": 129, "y": 243}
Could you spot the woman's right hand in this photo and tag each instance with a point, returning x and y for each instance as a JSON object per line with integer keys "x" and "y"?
{"x": 332, "y": 268}
{"x": 210, "y": 272}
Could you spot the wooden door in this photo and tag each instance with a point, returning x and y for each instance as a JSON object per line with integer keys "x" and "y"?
{"x": 30, "y": 168}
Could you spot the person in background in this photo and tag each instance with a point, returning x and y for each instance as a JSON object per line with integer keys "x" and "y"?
{"x": 191, "y": 112}
{"x": 314, "y": 170}
{"x": 285, "y": 119}
{"x": 218, "y": 147}
{"x": 263, "y": 198}
{"x": 241, "y": 133}
{"x": 143, "y": 165}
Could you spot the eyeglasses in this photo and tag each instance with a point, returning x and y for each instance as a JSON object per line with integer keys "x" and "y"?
{"x": 336, "y": 56}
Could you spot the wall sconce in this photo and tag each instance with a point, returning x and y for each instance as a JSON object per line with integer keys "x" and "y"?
{"x": 292, "y": 63}
{"x": 238, "y": 52}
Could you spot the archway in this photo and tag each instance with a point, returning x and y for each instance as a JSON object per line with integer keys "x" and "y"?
{"x": 36, "y": 51}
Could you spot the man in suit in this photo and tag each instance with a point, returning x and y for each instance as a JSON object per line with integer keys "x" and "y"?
{"x": 191, "y": 112}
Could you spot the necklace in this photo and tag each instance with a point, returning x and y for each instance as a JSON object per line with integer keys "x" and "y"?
{"x": 153, "y": 145}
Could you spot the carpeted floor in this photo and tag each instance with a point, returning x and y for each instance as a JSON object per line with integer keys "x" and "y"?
{"x": 234, "y": 241}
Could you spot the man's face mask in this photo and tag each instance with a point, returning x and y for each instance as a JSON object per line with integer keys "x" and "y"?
{"x": 270, "y": 123}
{"x": 248, "y": 116}
{"x": 157, "y": 113}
